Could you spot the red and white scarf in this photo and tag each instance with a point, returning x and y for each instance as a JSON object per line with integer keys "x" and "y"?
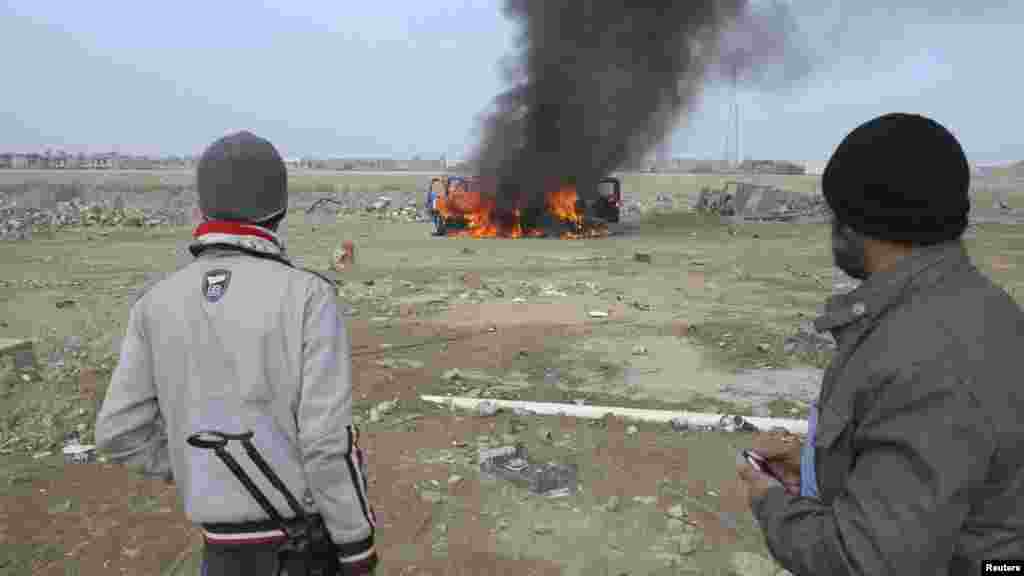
{"x": 239, "y": 234}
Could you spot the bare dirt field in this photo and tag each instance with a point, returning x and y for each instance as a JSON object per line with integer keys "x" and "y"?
{"x": 711, "y": 307}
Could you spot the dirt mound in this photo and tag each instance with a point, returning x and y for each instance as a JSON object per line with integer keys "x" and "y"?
{"x": 500, "y": 314}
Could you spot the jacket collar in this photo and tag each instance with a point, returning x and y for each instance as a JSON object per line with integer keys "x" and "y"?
{"x": 881, "y": 290}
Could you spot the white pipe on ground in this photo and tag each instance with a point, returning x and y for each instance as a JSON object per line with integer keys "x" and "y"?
{"x": 694, "y": 419}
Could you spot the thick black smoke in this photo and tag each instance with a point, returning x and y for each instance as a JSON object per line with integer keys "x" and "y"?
{"x": 597, "y": 84}
{"x": 763, "y": 48}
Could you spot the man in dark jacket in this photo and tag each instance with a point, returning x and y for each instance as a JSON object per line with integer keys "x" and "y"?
{"x": 916, "y": 459}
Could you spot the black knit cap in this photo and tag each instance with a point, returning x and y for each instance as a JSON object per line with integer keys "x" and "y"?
{"x": 242, "y": 177}
{"x": 902, "y": 178}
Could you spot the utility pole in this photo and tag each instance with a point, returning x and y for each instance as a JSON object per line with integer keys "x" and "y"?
{"x": 736, "y": 115}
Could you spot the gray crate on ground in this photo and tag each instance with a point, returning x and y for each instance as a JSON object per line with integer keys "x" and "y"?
{"x": 512, "y": 464}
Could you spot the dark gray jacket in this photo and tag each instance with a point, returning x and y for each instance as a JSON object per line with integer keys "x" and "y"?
{"x": 920, "y": 443}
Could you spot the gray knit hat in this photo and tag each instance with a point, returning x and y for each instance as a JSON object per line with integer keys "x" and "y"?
{"x": 242, "y": 177}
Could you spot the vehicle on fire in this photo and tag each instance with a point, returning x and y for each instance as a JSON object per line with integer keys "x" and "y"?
{"x": 608, "y": 205}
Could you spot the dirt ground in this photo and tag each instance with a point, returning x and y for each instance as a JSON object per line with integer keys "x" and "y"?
{"x": 514, "y": 319}
{"x": 97, "y": 518}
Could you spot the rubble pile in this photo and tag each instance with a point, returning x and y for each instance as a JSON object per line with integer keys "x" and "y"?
{"x": 395, "y": 207}
{"x": 715, "y": 202}
{"x": 751, "y": 201}
{"x": 19, "y": 222}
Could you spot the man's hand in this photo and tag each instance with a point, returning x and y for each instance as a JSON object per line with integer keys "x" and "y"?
{"x": 755, "y": 483}
{"x": 783, "y": 460}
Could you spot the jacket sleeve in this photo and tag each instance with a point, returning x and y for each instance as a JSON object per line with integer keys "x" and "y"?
{"x": 920, "y": 450}
{"x": 129, "y": 427}
{"x": 334, "y": 464}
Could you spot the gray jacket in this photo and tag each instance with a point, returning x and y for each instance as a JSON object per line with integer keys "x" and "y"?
{"x": 918, "y": 448}
{"x": 271, "y": 355}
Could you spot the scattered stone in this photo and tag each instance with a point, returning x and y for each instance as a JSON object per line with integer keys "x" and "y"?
{"x": 764, "y": 347}
{"x": 431, "y": 496}
{"x": 381, "y": 203}
{"x": 541, "y": 528}
{"x": 598, "y": 314}
{"x": 729, "y": 520}
{"x": 451, "y": 375}
{"x": 487, "y": 408}
{"x": 679, "y": 424}
{"x": 639, "y": 350}
{"x": 612, "y": 505}
{"x": 544, "y": 433}
{"x": 72, "y": 343}
{"x": 61, "y": 304}
{"x": 750, "y": 564}
{"x": 642, "y": 257}
{"x": 808, "y": 340}
{"x": 399, "y": 363}
{"x": 687, "y": 543}
{"x": 454, "y": 479}
{"x": 631, "y": 430}
{"x": 386, "y": 407}
{"x": 646, "y": 500}
{"x": 677, "y": 511}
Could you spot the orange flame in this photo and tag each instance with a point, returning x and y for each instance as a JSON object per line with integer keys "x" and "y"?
{"x": 478, "y": 211}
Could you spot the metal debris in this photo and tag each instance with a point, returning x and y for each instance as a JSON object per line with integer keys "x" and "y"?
{"x": 511, "y": 463}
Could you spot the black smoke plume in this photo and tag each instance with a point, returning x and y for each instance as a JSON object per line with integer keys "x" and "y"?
{"x": 597, "y": 84}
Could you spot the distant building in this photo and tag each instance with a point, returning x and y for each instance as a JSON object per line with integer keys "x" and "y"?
{"x": 138, "y": 163}
{"x": 61, "y": 161}
{"x": 30, "y": 161}
{"x": 107, "y": 161}
{"x": 771, "y": 167}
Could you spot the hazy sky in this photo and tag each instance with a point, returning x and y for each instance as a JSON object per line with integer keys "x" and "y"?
{"x": 403, "y": 77}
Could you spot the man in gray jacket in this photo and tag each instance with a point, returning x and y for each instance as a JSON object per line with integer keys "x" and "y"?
{"x": 241, "y": 340}
{"x": 916, "y": 464}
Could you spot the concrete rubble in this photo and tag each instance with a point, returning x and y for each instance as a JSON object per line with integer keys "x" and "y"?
{"x": 513, "y": 464}
{"x": 808, "y": 340}
{"x": 747, "y": 201}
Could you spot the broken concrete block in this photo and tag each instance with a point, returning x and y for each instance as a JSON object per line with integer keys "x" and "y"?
{"x": 512, "y": 464}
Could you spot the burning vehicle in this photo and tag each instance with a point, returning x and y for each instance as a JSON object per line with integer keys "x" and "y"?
{"x": 466, "y": 206}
